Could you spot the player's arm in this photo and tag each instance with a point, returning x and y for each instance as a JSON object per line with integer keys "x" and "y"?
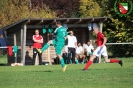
{"x": 104, "y": 41}
{"x": 75, "y": 41}
{"x": 92, "y": 48}
{"x": 66, "y": 35}
{"x": 50, "y": 34}
{"x": 38, "y": 41}
{"x": 33, "y": 39}
{"x": 76, "y": 44}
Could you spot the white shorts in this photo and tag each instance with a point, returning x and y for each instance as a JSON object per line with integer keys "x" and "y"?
{"x": 100, "y": 50}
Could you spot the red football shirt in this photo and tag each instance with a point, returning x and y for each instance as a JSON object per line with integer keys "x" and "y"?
{"x": 100, "y": 38}
{"x": 36, "y": 44}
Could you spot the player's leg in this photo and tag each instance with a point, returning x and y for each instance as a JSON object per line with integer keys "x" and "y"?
{"x": 90, "y": 61}
{"x": 106, "y": 59}
{"x": 65, "y": 57}
{"x": 73, "y": 55}
{"x": 105, "y": 54}
{"x": 83, "y": 57}
{"x": 40, "y": 58}
{"x": 58, "y": 50}
{"x": 77, "y": 57}
{"x": 112, "y": 60}
{"x": 46, "y": 46}
{"x": 97, "y": 52}
{"x": 34, "y": 56}
{"x": 69, "y": 55}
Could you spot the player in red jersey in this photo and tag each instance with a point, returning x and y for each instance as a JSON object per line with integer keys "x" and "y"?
{"x": 38, "y": 40}
{"x": 101, "y": 49}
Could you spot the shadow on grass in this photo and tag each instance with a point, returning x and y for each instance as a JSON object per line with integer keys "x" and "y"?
{"x": 91, "y": 70}
{"x": 42, "y": 71}
{"x": 1, "y": 64}
{"x": 48, "y": 71}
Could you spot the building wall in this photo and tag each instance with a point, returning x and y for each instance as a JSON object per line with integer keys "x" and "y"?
{"x": 81, "y": 34}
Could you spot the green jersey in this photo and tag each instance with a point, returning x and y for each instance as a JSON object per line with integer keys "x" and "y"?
{"x": 60, "y": 34}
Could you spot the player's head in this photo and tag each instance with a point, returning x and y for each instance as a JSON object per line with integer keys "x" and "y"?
{"x": 37, "y": 32}
{"x": 96, "y": 30}
{"x": 79, "y": 44}
{"x": 58, "y": 23}
{"x": 71, "y": 33}
{"x": 89, "y": 42}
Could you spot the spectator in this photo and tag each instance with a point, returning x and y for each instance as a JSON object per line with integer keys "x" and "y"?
{"x": 89, "y": 48}
{"x": 72, "y": 44}
{"x": 38, "y": 40}
{"x": 79, "y": 54}
{"x": 65, "y": 54}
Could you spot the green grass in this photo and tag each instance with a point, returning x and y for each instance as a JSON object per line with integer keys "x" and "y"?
{"x": 103, "y": 75}
{"x": 3, "y": 59}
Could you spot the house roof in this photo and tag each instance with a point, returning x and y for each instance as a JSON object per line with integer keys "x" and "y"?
{"x": 41, "y": 21}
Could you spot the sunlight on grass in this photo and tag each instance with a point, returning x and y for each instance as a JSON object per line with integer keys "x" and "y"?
{"x": 3, "y": 59}
{"x": 101, "y": 75}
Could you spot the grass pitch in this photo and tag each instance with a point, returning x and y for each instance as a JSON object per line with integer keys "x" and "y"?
{"x": 103, "y": 75}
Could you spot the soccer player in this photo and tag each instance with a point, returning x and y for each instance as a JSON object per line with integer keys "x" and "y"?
{"x": 101, "y": 49}
{"x": 59, "y": 42}
{"x": 38, "y": 40}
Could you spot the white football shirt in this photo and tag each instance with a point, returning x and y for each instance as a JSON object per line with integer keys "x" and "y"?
{"x": 89, "y": 48}
{"x": 71, "y": 41}
{"x": 79, "y": 50}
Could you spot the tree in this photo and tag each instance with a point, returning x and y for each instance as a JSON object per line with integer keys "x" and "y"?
{"x": 14, "y": 10}
{"x": 89, "y": 8}
{"x": 63, "y": 8}
{"x": 118, "y": 29}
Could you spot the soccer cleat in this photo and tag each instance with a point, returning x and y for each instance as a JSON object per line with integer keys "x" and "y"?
{"x": 120, "y": 62}
{"x": 39, "y": 50}
{"x": 84, "y": 69}
{"x": 64, "y": 68}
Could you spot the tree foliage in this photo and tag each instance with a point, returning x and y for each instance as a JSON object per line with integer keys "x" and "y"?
{"x": 118, "y": 30}
{"x": 89, "y": 8}
{"x": 63, "y": 8}
{"x": 14, "y": 10}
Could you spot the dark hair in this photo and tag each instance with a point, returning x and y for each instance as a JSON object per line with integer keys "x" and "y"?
{"x": 89, "y": 41}
{"x": 78, "y": 43}
{"x": 58, "y": 22}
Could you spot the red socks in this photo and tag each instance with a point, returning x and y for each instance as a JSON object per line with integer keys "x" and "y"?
{"x": 10, "y": 53}
{"x": 114, "y": 61}
{"x": 88, "y": 64}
